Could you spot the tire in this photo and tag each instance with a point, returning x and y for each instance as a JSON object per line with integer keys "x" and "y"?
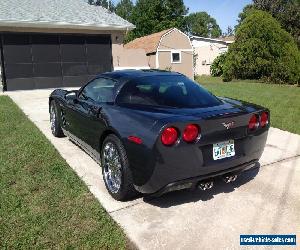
{"x": 54, "y": 120}
{"x": 113, "y": 156}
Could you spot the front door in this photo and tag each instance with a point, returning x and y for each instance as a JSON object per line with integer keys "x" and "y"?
{"x": 88, "y": 124}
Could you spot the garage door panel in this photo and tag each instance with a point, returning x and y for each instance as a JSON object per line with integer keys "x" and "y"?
{"x": 45, "y": 48}
{"x": 54, "y": 60}
{"x": 16, "y": 48}
{"x": 90, "y": 77}
{"x": 47, "y": 82}
{"x": 71, "y": 81}
{"x": 96, "y": 54}
{"x": 102, "y": 39}
{"x": 47, "y": 70}
{"x": 17, "y": 70}
{"x": 98, "y": 48}
{"x": 20, "y": 84}
{"x": 72, "y": 49}
{"x": 94, "y": 69}
{"x": 74, "y": 69}
{"x": 73, "y": 53}
{"x": 17, "y": 54}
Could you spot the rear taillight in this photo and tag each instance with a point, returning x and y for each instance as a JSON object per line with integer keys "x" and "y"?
{"x": 191, "y": 133}
{"x": 169, "y": 136}
{"x": 264, "y": 119}
{"x": 253, "y": 122}
{"x": 135, "y": 139}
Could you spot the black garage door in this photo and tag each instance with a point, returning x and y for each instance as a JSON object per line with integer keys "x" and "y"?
{"x": 33, "y": 61}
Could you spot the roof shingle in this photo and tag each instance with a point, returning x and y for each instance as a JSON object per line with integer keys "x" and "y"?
{"x": 148, "y": 43}
{"x": 59, "y": 12}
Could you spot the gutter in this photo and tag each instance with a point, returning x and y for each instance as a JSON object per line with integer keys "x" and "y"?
{"x": 210, "y": 39}
{"x": 47, "y": 24}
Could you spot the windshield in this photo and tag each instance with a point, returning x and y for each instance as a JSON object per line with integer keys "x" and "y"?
{"x": 166, "y": 91}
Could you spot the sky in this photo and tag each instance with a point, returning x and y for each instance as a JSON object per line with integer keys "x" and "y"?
{"x": 224, "y": 11}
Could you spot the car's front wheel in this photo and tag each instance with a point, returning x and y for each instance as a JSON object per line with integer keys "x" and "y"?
{"x": 54, "y": 121}
{"x": 115, "y": 169}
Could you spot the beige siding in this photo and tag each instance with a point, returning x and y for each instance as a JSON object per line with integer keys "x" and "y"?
{"x": 175, "y": 40}
{"x": 152, "y": 61}
{"x": 131, "y": 58}
{"x": 185, "y": 67}
{"x": 179, "y": 42}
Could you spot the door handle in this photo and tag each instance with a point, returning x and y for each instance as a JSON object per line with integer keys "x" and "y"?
{"x": 95, "y": 110}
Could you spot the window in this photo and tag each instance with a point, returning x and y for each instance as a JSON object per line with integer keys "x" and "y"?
{"x": 99, "y": 90}
{"x": 176, "y": 57}
{"x": 166, "y": 91}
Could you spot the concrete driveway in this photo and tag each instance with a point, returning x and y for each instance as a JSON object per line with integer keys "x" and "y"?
{"x": 259, "y": 202}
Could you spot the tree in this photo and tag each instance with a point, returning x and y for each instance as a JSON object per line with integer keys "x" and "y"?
{"x": 202, "y": 24}
{"x": 216, "y": 68}
{"x": 242, "y": 16}
{"x": 262, "y": 50}
{"x": 108, "y": 4}
{"x": 229, "y": 31}
{"x": 156, "y": 15}
{"x": 287, "y": 12}
{"x": 124, "y": 9}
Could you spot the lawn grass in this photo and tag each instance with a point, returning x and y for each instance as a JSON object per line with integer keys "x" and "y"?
{"x": 282, "y": 100}
{"x": 43, "y": 203}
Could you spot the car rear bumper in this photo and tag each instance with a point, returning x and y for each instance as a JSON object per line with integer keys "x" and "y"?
{"x": 194, "y": 162}
{"x": 193, "y": 182}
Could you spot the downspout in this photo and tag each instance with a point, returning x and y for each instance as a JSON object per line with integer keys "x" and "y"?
{"x": 156, "y": 59}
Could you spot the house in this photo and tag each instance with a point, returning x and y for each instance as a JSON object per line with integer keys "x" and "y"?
{"x": 54, "y": 43}
{"x": 167, "y": 50}
{"x": 206, "y": 50}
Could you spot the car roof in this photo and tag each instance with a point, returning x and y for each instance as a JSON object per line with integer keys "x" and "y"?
{"x": 126, "y": 75}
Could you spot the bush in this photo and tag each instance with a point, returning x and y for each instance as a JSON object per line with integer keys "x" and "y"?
{"x": 263, "y": 50}
{"x": 216, "y": 68}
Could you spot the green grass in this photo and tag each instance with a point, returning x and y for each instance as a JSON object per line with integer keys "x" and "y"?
{"x": 43, "y": 203}
{"x": 282, "y": 100}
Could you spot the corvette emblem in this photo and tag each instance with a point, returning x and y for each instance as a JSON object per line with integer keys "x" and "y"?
{"x": 228, "y": 125}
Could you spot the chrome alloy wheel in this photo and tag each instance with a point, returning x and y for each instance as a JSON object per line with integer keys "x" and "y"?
{"x": 52, "y": 118}
{"x": 112, "y": 167}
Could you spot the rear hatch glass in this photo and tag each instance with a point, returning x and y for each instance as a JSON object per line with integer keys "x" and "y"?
{"x": 172, "y": 91}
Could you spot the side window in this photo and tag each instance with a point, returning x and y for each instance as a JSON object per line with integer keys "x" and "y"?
{"x": 99, "y": 90}
{"x": 176, "y": 56}
{"x": 164, "y": 86}
{"x": 137, "y": 93}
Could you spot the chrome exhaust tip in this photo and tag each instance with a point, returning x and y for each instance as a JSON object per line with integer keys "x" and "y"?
{"x": 229, "y": 178}
{"x": 205, "y": 185}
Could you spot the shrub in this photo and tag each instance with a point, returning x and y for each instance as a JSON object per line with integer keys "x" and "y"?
{"x": 216, "y": 68}
{"x": 263, "y": 50}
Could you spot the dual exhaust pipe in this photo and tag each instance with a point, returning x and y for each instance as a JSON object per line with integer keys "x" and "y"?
{"x": 229, "y": 178}
{"x": 208, "y": 184}
{"x": 205, "y": 185}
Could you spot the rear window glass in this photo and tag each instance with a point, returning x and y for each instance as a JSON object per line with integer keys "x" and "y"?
{"x": 166, "y": 91}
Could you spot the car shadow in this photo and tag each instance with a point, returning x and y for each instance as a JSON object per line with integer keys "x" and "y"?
{"x": 186, "y": 196}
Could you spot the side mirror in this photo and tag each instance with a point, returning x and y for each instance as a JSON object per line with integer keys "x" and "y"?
{"x": 71, "y": 96}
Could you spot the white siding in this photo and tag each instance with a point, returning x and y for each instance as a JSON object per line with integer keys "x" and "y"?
{"x": 206, "y": 51}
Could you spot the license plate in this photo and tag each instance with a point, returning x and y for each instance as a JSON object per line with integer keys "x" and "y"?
{"x": 223, "y": 150}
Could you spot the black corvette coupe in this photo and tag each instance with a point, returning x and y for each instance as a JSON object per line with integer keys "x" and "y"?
{"x": 155, "y": 131}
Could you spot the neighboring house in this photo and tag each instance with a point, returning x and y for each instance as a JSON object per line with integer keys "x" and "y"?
{"x": 206, "y": 50}
{"x": 167, "y": 50}
{"x": 54, "y": 43}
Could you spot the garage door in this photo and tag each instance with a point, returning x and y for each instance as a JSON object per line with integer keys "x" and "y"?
{"x": 32, "y": 61}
